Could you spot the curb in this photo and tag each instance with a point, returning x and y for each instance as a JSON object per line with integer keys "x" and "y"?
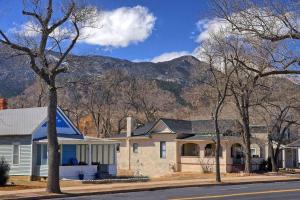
{"x": 146, "y": 189}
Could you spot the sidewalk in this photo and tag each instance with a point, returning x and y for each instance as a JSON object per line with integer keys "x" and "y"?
{"x": 140, "y": 186}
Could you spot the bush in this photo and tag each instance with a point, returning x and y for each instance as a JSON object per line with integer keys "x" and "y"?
{"x": 4, "y": 172}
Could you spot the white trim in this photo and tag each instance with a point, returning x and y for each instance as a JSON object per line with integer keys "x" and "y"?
{"x": 19, "y": 147}
{"x": 63, "y": 115}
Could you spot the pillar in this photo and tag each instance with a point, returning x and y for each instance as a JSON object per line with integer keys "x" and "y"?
{"x": 90, "y": 154}
{"x": 283, "y": 159}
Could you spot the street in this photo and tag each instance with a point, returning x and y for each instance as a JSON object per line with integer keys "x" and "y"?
{"x": 265, "y": 191}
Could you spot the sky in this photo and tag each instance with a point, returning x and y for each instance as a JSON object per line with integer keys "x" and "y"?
{"x": 136, "y": 30}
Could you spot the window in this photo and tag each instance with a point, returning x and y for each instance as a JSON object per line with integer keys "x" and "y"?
{"x": 44, "y": 154}
{"x": 255, "y": 150}
{"x": 16, "y": 154}
{"x": 135, "y": 147}
{"x": 190, "y": 149}
{"x": 118, "y": 147}
{"x": 163, "y": 150}
{"x": 210, "y": 150}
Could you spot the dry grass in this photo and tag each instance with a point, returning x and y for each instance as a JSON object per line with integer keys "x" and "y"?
{"x": 20, "y": 183}
{"x": 192, "y": 175}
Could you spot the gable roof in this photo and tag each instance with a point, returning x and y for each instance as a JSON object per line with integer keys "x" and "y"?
{"x": 187, "y": 126}
{"x": 143, "y": 130}
{"x": 21, "y": 121}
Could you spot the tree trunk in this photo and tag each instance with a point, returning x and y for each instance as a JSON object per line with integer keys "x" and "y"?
{"x": 272, "y": 156}
{"x": 248, "y": 149}
{"x": 218, "y": 142}
{"x": 53, "y": 153}
{"x": 217, "y": 156}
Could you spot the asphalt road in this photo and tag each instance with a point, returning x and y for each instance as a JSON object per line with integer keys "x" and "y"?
{"x": 265, "y": 191}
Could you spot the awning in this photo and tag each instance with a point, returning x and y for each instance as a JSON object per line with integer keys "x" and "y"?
{"x": 85, "y": 140}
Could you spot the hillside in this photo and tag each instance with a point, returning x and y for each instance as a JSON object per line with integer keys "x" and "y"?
{"x": 177, "y": 93}
{"x": 16, "y": 76}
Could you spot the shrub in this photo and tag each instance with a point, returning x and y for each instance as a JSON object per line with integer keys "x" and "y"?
{"x": 4, "y": 172}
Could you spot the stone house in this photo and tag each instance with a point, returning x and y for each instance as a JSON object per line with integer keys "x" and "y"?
{"x": 169, "y": 145}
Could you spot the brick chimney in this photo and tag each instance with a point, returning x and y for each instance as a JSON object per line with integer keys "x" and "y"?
{"x": 3, "y": 104}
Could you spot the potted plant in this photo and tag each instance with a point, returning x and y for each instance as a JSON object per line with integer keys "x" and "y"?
{"x": 81, "y": 175}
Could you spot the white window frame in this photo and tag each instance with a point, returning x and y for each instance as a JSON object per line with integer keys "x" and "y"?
{"x": 19, "y": 156}
{"x": 161, "y": 150}
{"x": 43, "y": 146}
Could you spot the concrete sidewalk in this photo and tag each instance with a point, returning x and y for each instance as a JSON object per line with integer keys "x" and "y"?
{"x": 140, "y": 186}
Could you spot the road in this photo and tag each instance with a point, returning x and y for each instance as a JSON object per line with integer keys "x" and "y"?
{"x": 265, "y": 191}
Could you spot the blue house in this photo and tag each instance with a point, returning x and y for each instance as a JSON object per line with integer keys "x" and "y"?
{"x": 23, "y": 144}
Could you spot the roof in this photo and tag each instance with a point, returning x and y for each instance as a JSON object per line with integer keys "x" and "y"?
{"x": 21, "y": 121}
{"x": 258, "y": 129}
{"x": 143, "y": 130}
{"x": 85, "y": 140}
{"x": 208, "y": 137}
{"x": 188, "y": 127}
{"x": 295, "y": 144}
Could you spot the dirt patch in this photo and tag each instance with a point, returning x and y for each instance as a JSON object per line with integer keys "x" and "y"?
{"x": 193, "y": 175}
{"x": 19, "y": 183}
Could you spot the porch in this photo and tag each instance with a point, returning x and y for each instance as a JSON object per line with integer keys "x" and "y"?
{"x": 199, "y": 156}
{"x": 90, "y": 157}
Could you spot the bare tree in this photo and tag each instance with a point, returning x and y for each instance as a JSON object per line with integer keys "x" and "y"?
{"x": 279, "y": 118}
{"x": 145, "y": 97}
{"x": 71, "y": 101}
{"x": 102, "y": 99}
{"x": 55, "y": 28}
{"x": 273, "y": 24}
{"x": 215, "y": 53}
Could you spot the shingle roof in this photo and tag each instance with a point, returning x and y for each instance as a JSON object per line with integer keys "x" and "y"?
{"x": 21, "y": 121}
{"x": 207, "y": 137}
{"x": 143, "y": 130}
{"x": 199, "y": 126}
{"x": 189, "y": 127}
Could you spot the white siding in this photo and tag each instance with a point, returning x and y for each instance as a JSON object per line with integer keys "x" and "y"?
{"x": 6, "y": 151}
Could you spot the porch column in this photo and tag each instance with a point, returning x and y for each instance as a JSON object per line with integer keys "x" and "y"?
{"x": 90, "y": 154}
{"x": 283, "y": 158}
{"x": 298, "y": 157}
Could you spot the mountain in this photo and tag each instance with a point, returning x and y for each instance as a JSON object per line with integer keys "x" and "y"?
{"x": 16, "y": 75}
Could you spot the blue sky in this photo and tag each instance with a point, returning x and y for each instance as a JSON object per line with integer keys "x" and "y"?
{"x": 172, "y": 26}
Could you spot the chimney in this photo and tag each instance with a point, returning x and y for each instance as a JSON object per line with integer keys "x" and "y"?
{"x": 130, "y": 126}
{"x": 3, "y": 104}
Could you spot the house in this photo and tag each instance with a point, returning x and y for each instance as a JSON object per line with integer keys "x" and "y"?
{"x": 23, "y": 144}
{"x": 292, "y": 149}
{"x": 169, "y": 145}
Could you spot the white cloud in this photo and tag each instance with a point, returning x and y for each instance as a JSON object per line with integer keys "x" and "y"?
{"x": 120, "y": 27}
{"x": 169, "y": 56}
{"x": 31, "y": 29}
{"x": 28, "y": 29}
{"x": 207, "y": 27}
